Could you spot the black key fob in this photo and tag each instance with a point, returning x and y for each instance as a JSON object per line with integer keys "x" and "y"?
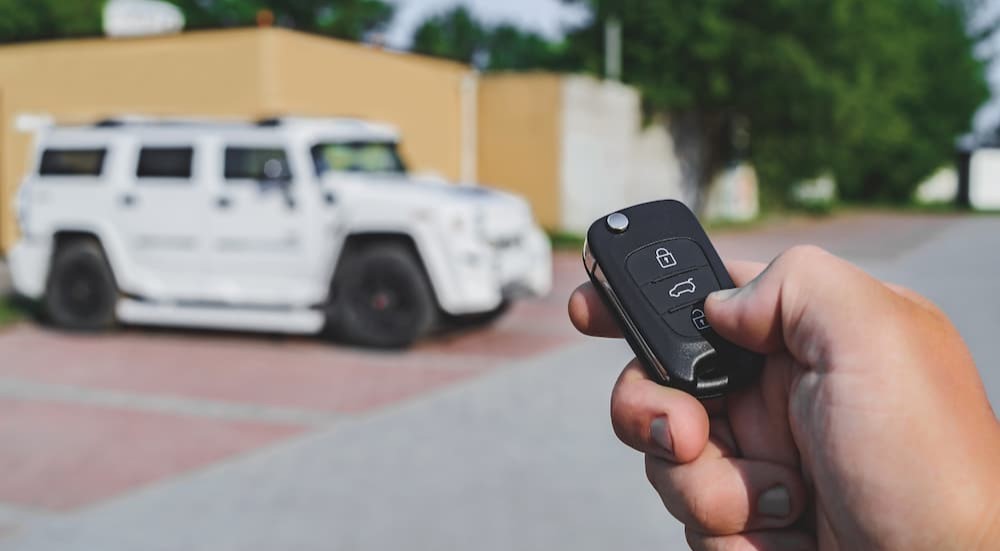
{"x": 654, "y": 265}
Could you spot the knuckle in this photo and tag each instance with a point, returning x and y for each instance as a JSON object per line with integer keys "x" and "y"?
{"x": 656, "y": 474}
{"x": 704, "y": 509}
{"x": 801, "y": 256}
{"x": 626, "y": 413}
{"x": 651, "y": 474}
{"x": 699, "y": 507}
{"x": 695, "y": 541}
{"x": 712, "y": 509}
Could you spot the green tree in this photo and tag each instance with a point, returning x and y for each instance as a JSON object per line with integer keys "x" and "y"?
{"x": 348, "y": 19}
{"x": 456, "y": 34}
{"x": 22, "y": 20}
{"x": 44, "y": 19}
{"x": 874, "y": 92}
{"x": 510, "y": 48}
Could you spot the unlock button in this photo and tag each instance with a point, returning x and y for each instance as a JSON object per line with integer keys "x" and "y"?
{"x": 664, "y": 258}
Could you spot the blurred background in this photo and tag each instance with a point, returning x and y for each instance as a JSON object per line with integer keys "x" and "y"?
{"x": 385, "y": 146}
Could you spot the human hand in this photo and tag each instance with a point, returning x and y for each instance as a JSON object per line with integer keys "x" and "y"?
{"x": 867, "y": 429}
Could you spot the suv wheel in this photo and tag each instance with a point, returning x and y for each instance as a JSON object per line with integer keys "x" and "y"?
{"x": 81, "y": 293}
{"x": 382, "y": 298}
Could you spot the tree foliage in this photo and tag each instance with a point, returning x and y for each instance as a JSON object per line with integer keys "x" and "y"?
{"x": 873, "y": 92}
{"x": 22, "y": 20}
{"x": 456, "y": 34}
{"x": 43, "y": 19}
{"x": 349, "y": 19}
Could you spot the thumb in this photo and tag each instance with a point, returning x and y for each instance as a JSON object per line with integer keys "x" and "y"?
{"x": 806, "y": 301}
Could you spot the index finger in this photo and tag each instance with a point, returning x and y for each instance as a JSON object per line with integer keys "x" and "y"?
{"x": 591, "y": 317}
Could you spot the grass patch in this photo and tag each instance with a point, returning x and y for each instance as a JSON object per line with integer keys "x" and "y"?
{"x": 762, "y": 219}
{"x": 774, "y": 213}
{"x": 10, "y": 311}
{"x": 917, "y": 208}
{"x": 566, "y": 241}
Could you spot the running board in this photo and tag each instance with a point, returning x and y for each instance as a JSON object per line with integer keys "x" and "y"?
{"x": 294, "y": 322}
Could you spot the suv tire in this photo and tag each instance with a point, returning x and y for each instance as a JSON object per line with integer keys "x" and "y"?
{"x": 381, "y": 298}
{"x": 81, "y": 293}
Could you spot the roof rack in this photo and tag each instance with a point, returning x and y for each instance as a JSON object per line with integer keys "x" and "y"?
{"x": 132, "y": 120}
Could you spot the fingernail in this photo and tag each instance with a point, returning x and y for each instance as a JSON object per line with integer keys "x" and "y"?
{"x": 775, "y": 503}
{"x": 725, "y": 294}
{"x": 659, "y": 429}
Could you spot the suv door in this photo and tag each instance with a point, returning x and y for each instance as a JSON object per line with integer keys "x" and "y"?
{"x": 262, "y": 229}
{"x": 162, "y": 219}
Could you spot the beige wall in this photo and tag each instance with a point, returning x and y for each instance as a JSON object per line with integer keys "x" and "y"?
{"x": 89, "y": 79}
{"x": 565, "y": 143}
{"x": 520, "y": 139}
{"x": 317, "y": 76}
{"x": 600, "y": 121}
{"x": 235, "y": 73}
{"x": 609, "y": 158}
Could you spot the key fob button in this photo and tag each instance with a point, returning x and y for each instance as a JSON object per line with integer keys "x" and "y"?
{"x": 680, "y": 290}
{"x": 661, "y": 259}
{"x": 689, "y": 321}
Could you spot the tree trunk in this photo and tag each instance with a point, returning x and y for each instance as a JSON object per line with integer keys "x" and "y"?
{"x": 699, "y": 146}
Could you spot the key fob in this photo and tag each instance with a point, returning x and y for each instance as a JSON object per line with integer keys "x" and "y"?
{"x": 654, "y": 265}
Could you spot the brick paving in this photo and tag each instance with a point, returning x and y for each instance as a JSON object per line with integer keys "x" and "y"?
{"x": 85, "y": 418}
{"x": 59, "y": 456}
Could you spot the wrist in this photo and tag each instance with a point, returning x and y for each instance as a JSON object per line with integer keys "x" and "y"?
{"x": 985, "y": 531}
{"x": 990, "y": 523}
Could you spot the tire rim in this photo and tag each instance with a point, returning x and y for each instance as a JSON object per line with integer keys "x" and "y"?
{"x": 82, "y": 291}
{"x": 386, "y": 299}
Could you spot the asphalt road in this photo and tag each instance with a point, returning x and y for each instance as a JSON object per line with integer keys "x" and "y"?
{"x": 518, "y": 457}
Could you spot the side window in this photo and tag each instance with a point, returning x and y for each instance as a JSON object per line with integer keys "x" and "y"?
{"x": 165, "y": 162}
{"x": 260, "y": 164}
{"x": 72, "y": 162}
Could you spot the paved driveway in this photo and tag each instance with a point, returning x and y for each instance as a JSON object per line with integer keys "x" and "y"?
{"x": 496, "y": 439}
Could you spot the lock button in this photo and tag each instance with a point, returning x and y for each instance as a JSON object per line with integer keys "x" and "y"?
{"x": 664, "y": 258}
{"x": 689, "y": 321}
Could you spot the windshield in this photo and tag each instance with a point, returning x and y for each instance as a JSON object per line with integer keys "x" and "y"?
{"x": 378, "y": 157}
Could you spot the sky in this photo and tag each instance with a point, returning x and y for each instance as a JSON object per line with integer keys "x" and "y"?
{"x": 547, "y": 17}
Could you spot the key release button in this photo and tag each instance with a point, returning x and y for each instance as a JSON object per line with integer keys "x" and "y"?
{"x": 681, "y": 290}
{"x": 661, "y": 259}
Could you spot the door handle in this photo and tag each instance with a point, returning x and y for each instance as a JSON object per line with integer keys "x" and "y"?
{"x": 223, "y": 202}
{"x": 128, "y": 200}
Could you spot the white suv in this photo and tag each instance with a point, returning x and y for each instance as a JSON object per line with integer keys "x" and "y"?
{"x": 287, "y": 225}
